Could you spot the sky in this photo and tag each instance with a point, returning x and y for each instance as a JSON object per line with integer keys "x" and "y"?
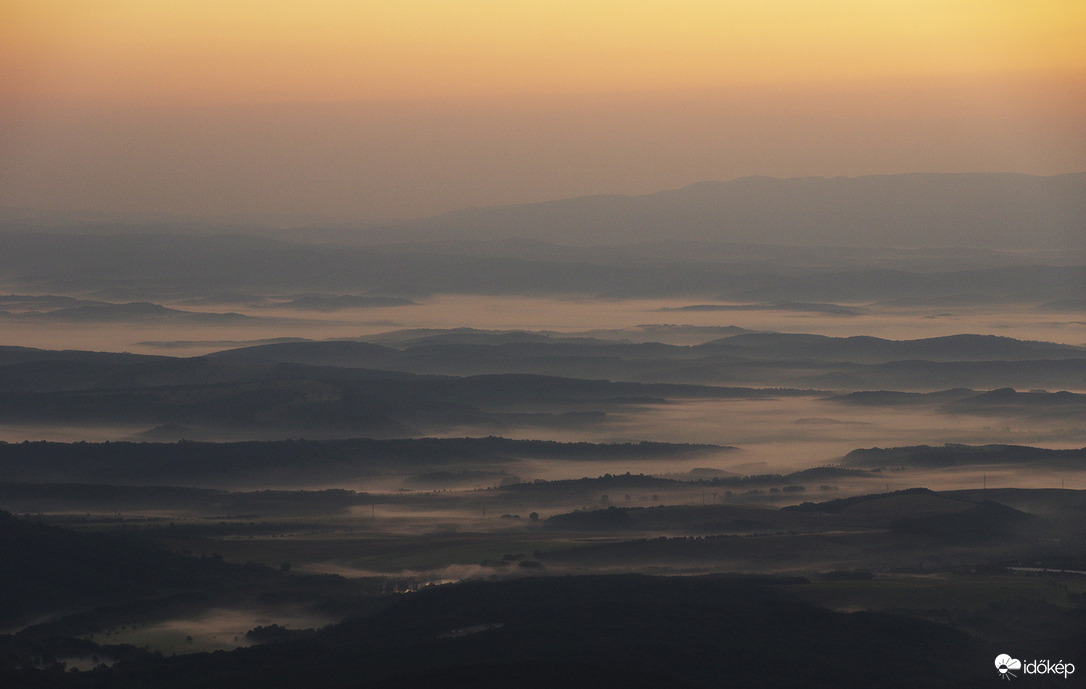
{"x": 370, "y": 109}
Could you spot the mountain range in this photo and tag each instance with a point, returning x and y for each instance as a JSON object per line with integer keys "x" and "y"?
{"x": 985, "y": 210}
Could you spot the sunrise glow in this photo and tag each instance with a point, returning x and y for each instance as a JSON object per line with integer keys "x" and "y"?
{"x": 118, "y": 50}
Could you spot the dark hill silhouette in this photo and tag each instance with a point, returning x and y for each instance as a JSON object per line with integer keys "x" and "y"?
{"x": 882, "y": 509}
{"x": 868, "y": 349}
{"x": 964, "y": 455}
{"x": 47, "y": 568}
{"x": 999, "y": 402}
{"x": 751, "y": 365}
{"x": 985, "y": 521}
{"x": 16, "y": 355}
{"x": 137, "y": 312}
{"x": 326, "y": 302}
{"x": 937, "y": 375}
{"x": 827, "y": 362}
{"x": 894, "y": 397}
{"x": 1010, "y": 402}
{"x": 589, "y": 632}
{"x": 333, "y": 353}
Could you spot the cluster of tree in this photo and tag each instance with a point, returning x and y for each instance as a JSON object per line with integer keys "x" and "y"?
{"x": 48, "y": 569}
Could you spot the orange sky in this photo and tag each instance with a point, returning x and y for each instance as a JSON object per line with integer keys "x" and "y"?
{"x": 145, "y": 104}
{"x": 321, "y": 50}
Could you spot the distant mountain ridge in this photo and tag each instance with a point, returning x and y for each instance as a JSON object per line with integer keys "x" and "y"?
{"x": 1004, "y": 210}
{"x": 964, "y": 347}
{"x": 179, "y": 269}
{"x": 746, "y": 363}
{"x": 975, "y": 211}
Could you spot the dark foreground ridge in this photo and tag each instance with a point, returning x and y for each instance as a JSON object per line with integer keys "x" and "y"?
{"x": 590, "y": 631}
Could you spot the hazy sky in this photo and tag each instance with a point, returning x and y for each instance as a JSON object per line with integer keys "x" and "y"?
{"x": 369, "y": 108}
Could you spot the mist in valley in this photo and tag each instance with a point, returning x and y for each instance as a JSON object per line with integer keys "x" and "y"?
{"x": 326, "y": 437}
{"x": 542, "y": 344}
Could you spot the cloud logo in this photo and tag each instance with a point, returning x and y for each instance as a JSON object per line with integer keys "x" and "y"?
{"x": 1004, "y": 663}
